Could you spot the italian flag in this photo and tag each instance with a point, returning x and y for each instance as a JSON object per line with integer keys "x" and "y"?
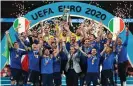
{"x": 116, "y": 24}
{"x": 22, "y": 24}
{"x": 25, "y": 62}
{"x": 6, "y": 52}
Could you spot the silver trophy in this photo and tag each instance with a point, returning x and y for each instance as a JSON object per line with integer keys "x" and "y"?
{"x": 66, "y": 14}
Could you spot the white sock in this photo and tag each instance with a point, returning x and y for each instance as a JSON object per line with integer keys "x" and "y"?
{"x": 124, "y": 83}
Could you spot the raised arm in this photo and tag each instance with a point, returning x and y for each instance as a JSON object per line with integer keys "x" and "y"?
{"x": 83, "y": 32}
{"x": 41, "y": 52}
{"x": 115, "y": 41}
{"x": 64, "y": 48}
{"x": 90, "y": 26}
{"x": 100, "y": 32}
{"x": 105, "y": 47}
{"x": 26, "y": 48}
{"x": 82, "y": 52}
{"x": 8, "y": 39}
{"x": 57, "y": 50}
{"x": 126, "y": 41}
{"x": 41, "y": 28}
{"x": 17, "y": 36}
{"x": 67, "y": 27}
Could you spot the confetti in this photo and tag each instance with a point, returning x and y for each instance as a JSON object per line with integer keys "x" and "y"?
{"x": 22, "y": 10}
{"x": 122, "y": 12}
{"x": 95, "y": 3}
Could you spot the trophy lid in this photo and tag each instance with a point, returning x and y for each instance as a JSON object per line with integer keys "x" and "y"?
{"x": 66, "y": 10}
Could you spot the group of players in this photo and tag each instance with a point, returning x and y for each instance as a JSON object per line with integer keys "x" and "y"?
{"x": 54, "y": 50}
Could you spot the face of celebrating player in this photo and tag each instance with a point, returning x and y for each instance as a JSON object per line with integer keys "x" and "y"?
{"x": 52, "y": 39}
{"x": 110, "y": 36}
{"x": 40, "y": 37}
{"x": 46, "y": 31}
{"x": 93, "y": 52}
{"x": 64, "y": 32}
{"x": 16, "y": 45}
{"x": 46, "y": 52}
{"x": 34, "y": 47}
{"x": 23, "y": 34}
{"x": 91, "y": 37}
{"x": 72, "y": 50}
{"x": 73, "y": 39}
{"x": 22, "y": 38}
{"x": 108, "y": 50}
{"x": 41, "y": 42}
{"x": 34, "y": 32}
{"x": 53, "y": 45}
{"x": 119, "y": 41}
{"x": 86, "y": 42}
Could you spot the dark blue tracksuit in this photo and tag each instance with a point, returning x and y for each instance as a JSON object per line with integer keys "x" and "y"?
{"x": 15, "y": 63}
{"x": 93, "y": 70}
{"x": 47, "y": 70}
{"x": 83, "y": 64}
{"x": 122, "y": 59}
{"x": 25, "y": 73}
{"x": 34, "y": 66}
{"x": 107, "y": 69}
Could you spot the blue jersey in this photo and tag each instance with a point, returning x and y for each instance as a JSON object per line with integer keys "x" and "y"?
{"x": 111, "y": 42}
{"x": 101, "y": 44}
{"x": 95, "y": 45}
{"x": 93, "y": 64}
{"x": 108, "y": 61}
{"x": 15, "y": 57}
{"x": 34, "y": 60}
{"x": 47, "y": 65}
{"x": 122, "y": 51}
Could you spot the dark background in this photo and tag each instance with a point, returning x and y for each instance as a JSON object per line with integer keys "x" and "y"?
{"x": 10, "y": 9}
